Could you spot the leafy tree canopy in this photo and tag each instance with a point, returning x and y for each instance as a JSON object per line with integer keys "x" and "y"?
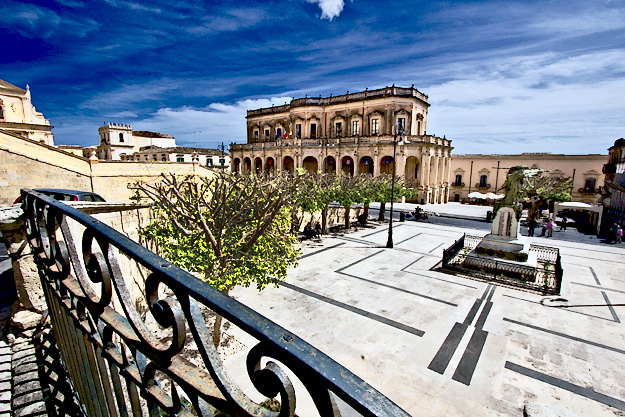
{"x": 540, "y": 189}
{"x": 234, "y": 230}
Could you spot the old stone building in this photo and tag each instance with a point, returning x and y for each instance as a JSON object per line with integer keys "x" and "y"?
{"x": 487, "y": 173}
{"x": 353, "y": 133}
{"x": 119, "y": 139}
{"x": 614, "y": 180}
{"x": 205, "y": 156}
{"x": 17, "y": 114}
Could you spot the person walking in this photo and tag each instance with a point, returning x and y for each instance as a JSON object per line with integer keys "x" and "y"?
{"x": 550, "y": 225}
{"x": 531, "y": 226}
{"x": 563, "y": 223}
{"x": 619, "y": 234}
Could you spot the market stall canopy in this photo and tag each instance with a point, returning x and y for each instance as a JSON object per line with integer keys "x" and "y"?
{"x": 493, "y": 196}
{"x": 475, "y": 194}
{"x": 575, "y": 204}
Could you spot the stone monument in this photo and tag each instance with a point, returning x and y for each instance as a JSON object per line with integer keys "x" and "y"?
{"x": 505, "y": 240}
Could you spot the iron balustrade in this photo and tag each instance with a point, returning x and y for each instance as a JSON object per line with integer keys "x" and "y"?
{"x": 117, "y": 364}
{"x": 450, "y": 252}
{"x": 545, "y": 278}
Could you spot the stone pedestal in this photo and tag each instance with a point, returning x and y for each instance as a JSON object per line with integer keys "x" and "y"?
{"x": 505, "y": 241}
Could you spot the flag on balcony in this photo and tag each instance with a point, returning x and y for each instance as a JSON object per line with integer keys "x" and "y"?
{"x": 278, "y": 133}
{"x": 286, "y": 135}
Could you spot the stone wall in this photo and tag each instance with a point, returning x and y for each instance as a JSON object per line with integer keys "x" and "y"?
{"x": 25, "y": 163}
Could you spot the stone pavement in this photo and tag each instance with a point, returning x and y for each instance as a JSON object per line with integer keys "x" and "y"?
{"x": 443, "y": 345}
{"x": 7, "y": 296}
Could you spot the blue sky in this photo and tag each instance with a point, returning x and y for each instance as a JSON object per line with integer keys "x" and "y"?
{"x": 501, "y": 76}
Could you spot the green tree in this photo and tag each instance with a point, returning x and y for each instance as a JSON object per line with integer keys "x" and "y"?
{"x": 313, "y": 192}
{"x": 384, "y": 190}
{"x": 540, "y": 189}
{"x": 234, "y": 230}
{"x": 347, "y": 193}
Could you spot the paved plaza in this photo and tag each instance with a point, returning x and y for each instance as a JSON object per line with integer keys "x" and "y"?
{"x": 443, "y": 345}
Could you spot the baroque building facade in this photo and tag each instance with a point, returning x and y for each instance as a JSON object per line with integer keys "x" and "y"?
{"x": 353, "y": 133}
{"x": 487, "y": 173}
{"x": 17, "y": 114}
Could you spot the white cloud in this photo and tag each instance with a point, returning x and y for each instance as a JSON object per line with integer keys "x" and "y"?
{"x": 206, "y": 127}
{"x": 233, "y": 20}
{"x": 329, "y": 8}
{"x": 71, "y": 3}
{"x": 32, "y": 21}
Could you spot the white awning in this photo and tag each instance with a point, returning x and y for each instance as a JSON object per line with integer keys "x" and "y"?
{"x": 476, "y": 194}
{"x": 575, "y": 204}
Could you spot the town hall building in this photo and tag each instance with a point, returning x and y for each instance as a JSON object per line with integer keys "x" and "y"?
{"x": 353, "y": 133}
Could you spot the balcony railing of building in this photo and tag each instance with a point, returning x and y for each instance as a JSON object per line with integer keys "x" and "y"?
{"x": 324, "y": 101}
{"x": 609, "y": 168}
{"x": 119, "y": 364}
{"x": 482, "y": 187}
{"x": 588, "y": 190}
{"x": 457, "y": 184}
{"x": 345, "y": 140}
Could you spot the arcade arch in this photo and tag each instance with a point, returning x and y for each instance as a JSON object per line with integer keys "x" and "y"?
{"x": 347, "y": 165}
{"x": 289, "y": 164}
{"x": 386, "y": 165}
{"x": 366, "y": 165}
{"x": 311, "y": 164}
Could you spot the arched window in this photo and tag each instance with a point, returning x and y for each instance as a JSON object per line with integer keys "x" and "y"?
{"x": 458, "y": 179}
{"x": 483, "y": 179}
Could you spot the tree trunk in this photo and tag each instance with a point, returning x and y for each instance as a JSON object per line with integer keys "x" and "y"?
{"x": 382, "y": 210}
{"x": 217, "y": 328}
{"x": 347, "y": 211}
{"x": 366, "y": 211}
{"x": 324, "y": 220}
{"x": 532, "y": 213}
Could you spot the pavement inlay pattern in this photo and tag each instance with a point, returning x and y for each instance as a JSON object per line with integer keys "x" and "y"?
{"x": 439, "y": 344}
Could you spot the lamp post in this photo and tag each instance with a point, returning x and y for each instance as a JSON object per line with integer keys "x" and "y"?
{"x": 398, "y": 132}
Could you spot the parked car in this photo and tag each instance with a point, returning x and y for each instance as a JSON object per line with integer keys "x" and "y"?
{"x": 67, "y": 195}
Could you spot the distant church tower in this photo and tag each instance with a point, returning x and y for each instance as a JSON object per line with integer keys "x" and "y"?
{"x": 115, "y": 139}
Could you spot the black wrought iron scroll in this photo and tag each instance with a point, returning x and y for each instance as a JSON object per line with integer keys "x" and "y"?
{"x": 119, "y": 367}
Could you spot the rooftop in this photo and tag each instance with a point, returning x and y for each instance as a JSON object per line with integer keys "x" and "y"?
{"x": 345, "y": 98}
{"x": 148, "y": 134}
{"x": 8, "y": 88}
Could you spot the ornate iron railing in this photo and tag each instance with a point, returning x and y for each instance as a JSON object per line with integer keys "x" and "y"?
{"x": 545, "y": 278}
{"x": 450, "y": 252}
{"x": 119, "y": 365}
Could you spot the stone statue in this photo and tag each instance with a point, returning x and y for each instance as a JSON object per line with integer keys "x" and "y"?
{"x": 514, "y": 181}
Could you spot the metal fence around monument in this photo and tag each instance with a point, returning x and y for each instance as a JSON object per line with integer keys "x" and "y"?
{"x": 545, "y": 278}
{"x": 119, "y": 365}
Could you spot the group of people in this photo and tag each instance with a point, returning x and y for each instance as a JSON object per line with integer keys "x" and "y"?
{"x": 616, "y": 231}
{"x": 547, "y": 229}
{"x": 311, "y": 232}
{"x": 418, "y": 214}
